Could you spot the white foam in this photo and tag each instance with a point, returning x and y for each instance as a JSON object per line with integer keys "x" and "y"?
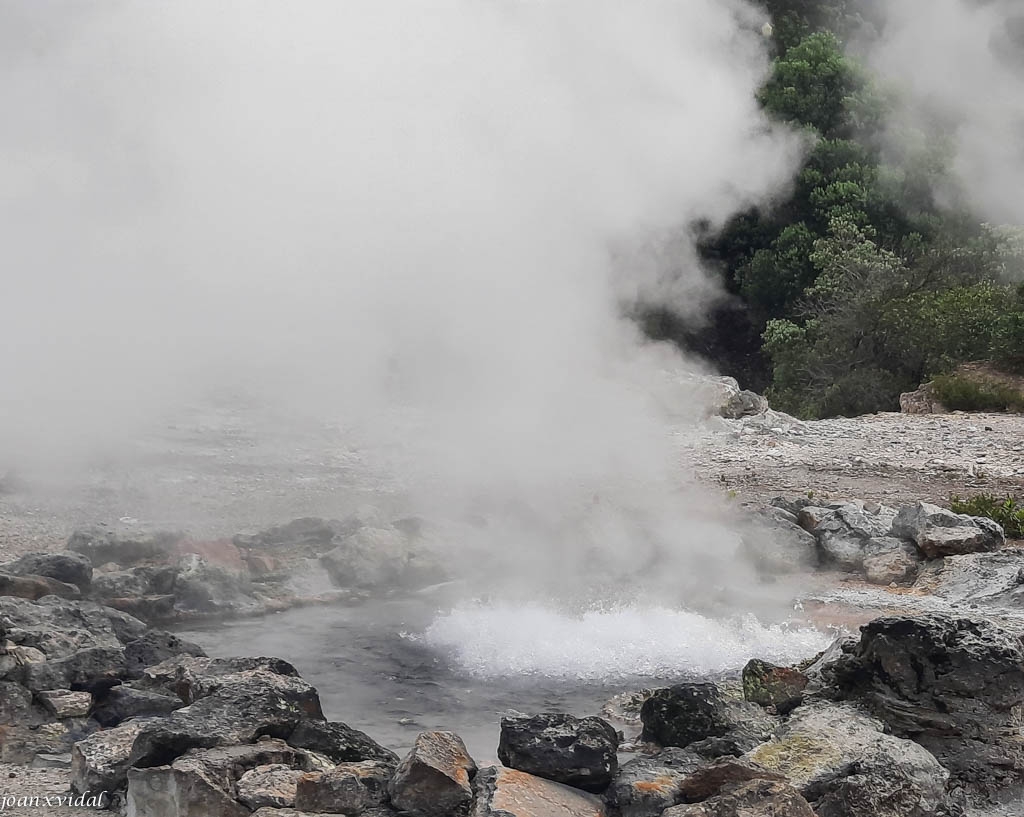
{"x": 494, "y": 641}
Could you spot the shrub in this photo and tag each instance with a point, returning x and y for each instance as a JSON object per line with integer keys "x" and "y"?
{"x": 958, "y": 393}
{"x": 1007, "y": 512}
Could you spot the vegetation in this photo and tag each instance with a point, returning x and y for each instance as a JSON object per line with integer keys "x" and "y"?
{"x": 959, "y": 393}
{"x": 862, "y": 284}
{"x": 1008, "y": 512}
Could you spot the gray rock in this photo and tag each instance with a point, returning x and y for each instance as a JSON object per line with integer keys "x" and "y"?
{"x": 647, "y": 785}
{"x": 59, "y": 627}
{"x": 164, "y": 791}
{"x": 187, "y": 676}
{"x": 433, "y": 780}
{"x": 92, "y": 669}
{"x": 510, "y": 793}
{"x": 843, "y": 531}
{"x": 376, "y": 811}
{"x": 743, "y": 404}
{"x": 348, "y": 788}
{"x": 43, "y": 760}
{"x": 837, "y": 756}
{"x": 16, "y": 705}
{"x": 579, "y": 752}
{"x": 63, "y": 703}
{"x": 757, "y": 798}
{"x": 99, "y": 763}
{"x": 273, "y": 784}
{"x": 36, "y": 587}
{"x": 299, "y": 533}
{"x": 708, "y": 780}
{"x": 154, "y": 647}
{"x": 375, "y": 558}
{"x": 147, "y": 580}
{"x": 888, "y": 560}
{"x": 777, "y": 545}
{"x": 71, "y": 568}
{"x": 122, "y": 702}
{"x": 939, "y": 532}
{"x": 340, "y": 742}
{"x": 951, "y": 683}
{"x": 123, "y": 547}
{"x": 201, "y": 587}
{"x": 979, "y": 577}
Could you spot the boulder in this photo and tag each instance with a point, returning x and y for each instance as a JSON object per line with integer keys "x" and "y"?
{"x": 709, "y": 779}
{"x": 977, "y": 577}
{"x": 939, "y": 532}
{"x": 375, "y": 558}
{"x": 70, "y": 568}
{"x": 888, "y": 560}
{"x": 777, "y": 545}
{"x": 59, "y": 627}
{"x": 123, "y": 547}
{"x": 348, "y": 788}
{"x": 953, "y": 684}
{"x": 837, "y": 754}
{"x": 299, "y": 533}
{"x": 202, "y": 587}
{"x": 151, "y": 609}
{"x": 844, "y": 529}
{"x": 134, "y": 582}
{"x": 340, "y": 742}
{"x": 922, "y": 401}
{"x": 16, "y": 705}
{"x": 92, "y": 669}
{"x": 700, "y": 716}
{"x": 122, "y": 702}
{"x": 434, "y": 779}
{"x": 647, "y": 785}
{"x": 757, "y": 798}
{"x": 510, "y": 793}
{"x": 154, "y": 647}
{"x": 272, "y": 784}
{"x": 767, "y": 685}
{"x": 164, "y": 791}
{"x": 743, "y": 404}
{"x": 580, "y": 752}
{"x": 36, "y": 587}
{"x": 100, "y": 762}
{"x": 187, "y": 676}
{"x": 63, "y": 703}
{"x": 21, "y": 744}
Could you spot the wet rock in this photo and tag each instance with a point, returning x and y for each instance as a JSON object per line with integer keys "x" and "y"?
{"x": 781, "y": 688}
{"x": 36, "y": 587}
{"x": 433, "y": 780}
{"x": 839, "y": 757}
{"x": 980, "y": 577}
{"x": 939, "y": 532}
{"x": 778, "y": 545}
{"x": 70, "y": 568}
{"x": 821, "y": 671}
{"x": 510, "y": 793}
{"x": 59, "y": 627}
{"x": 63, "y": 703}
{"x": 647, "y": 785}
{"x": 92, "y": 669}
{"x": 758, "y": 798}
{"x": 124, "y": 547}
{"x": 100, "y": 762}
{"x": 375, "y": 558}
{"x": 953, "y": 684}
{"x": 238, "y": 708}
{"x": 348, "y": 788}
{"x": 688, "y": 714}
{"x": 340, "y": 742}
{"x": 708, "y": 780}
{"x": 844, "y": 529}
{"x": 121, "y": 703}
{"x": 164, "y": 791}
{"x": 270, "y": 785}
{"x": 154, "y": 647}
{"x": 580, "y": 752}
{"x": 888, "y": 560}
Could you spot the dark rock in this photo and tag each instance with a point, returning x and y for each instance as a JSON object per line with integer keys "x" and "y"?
{"x": 688, "y": 713}
{"x": 17, "y": 707}
{"x": 36, "y": 587}
{"x": 580, "y": 752}
{"x": 348, "y": 788}
{"x": 187, "y": 676}
{"x": 91, "y": 669}
{"x": 953, "y": 684}
{"x": 758, "y": 798}
{"x": 100, "y": 762}
{"x": 647, "y": 785}
{"x": 708, "y": 780}
{"x": 340, "y": 742}
{"x": 150, "y": 609}
{"x": 146, "y": 580}
{"x": 939, "y": 532}
{"x": 71, "y": 568}
{"x": 768, "y": 685}
{"x": 433, "y": 780}
{"x": 101, "y": 545}
{"x": 121, "y": 703}
{"x": 59, "y": 627}
{"x": 21, "y": 743}
{"x": 201, "y": 587}
{"x": 154, "y": 647}
{"x": 743, "y": 404}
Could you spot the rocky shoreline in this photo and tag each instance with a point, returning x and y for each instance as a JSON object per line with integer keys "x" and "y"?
{"x": 919, "y": 717}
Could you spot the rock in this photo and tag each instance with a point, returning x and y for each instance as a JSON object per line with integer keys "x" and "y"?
{"x": 922, "y": 401}
{"x": 888, "y": 560}
{"x": 768, "y": 685}
{"x": 99, "y": 763}
{"x": 36, "y": 587}
{"x": 43, "y": 760}
{"x": 92, "y": 669}
{"x": 151, "y": 609}
{"x": 348, "y": 788}
{"x": 188, "y": 676}
{"x": 835, "y": 754}
{"x": 147, "y": 580}
{"x": 21, "y": 744}
{"x": 708, "y": 780}
{"x": 510, "y": 793}
{"x": 433, "y": 780}
{"x": 376, "y": 811}
{"x": 821, "y": 671}
{"x": 305, "y": 532}
{"x": 938, "y": 532}
{"x": 843, "y": 531}
{"x": 758, "y": 798}
{"x": 270, "y": 785}
{"x": 239, "y": 708}
{"x": 579, "y": 752}
{"x": 743, "y": 404}
{"x": 340, "y": 742}
{"x": 980, "y": 577}
{"x": 201, "y": 587}
{"x": 778, "y": 545}
{"x": 381, "y": 557}
{"x": 63, "y": 703}
{"x": 100, "y": 545}
{"x": 59, "y": 627}
{"x": 164, "y": 791}
{"x": 70, "y": 568}
{"x": 686, "y": 714}
{"x": 121, "y": 703}
{"x": 953, "y": 684}
{"x": 154, "y": 647}
{"x": 16, "y": 705}
{"x": 646, "y": 786}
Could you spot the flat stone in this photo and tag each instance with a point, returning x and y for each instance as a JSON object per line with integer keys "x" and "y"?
{"x": 63, "y": 703}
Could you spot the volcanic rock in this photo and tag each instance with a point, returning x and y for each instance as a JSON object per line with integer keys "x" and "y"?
{"x": 101, "y": 545}
{"x": 939, "y": 532}
{"x": 579, "y": 752}
{"x": 16, "y": 706}
{"x": 844, "y": 529}
{"x": 510, "y": 793}
{"x": 99, "y": 763}
{"x": 122, "y": 702}
{"x": 63, "y": 703}
{"x": 348, "y": 788}
{"x": 888, "y": 560}
{"x": 269, "y": 785}
{"x": 433, "y": 780}
{"x": 777, "y": 545}
{"x": 36, "y": 587}
{"x": 340, "y": 742}
{"x": 708, "y": 780}
{"x": 154, "y": 647}
{"x": 71, "y": 568}
{"x": 92, "y": 669}
{"x": 980, "y": 577}
{"x": 375, "y": 558}
{"x": 647, "y": 785}
{"x": 758, "y": 798}
{"x": 59, "y": 627}
{"x": 768, "y": 685}
{"x": 164, "y": 791}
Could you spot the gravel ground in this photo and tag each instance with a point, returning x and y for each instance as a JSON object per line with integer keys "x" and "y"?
{"x": 24, "y": 784}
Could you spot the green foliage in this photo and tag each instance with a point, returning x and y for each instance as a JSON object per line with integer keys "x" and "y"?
{"x": 959, "y": 393}
{"x": 1008, "y": 512}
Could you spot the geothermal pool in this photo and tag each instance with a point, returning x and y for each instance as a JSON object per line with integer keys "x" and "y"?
{"x": 396, "y": 668}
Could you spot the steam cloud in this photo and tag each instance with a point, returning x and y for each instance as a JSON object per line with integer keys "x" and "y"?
{"x": 371, "y": 206}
